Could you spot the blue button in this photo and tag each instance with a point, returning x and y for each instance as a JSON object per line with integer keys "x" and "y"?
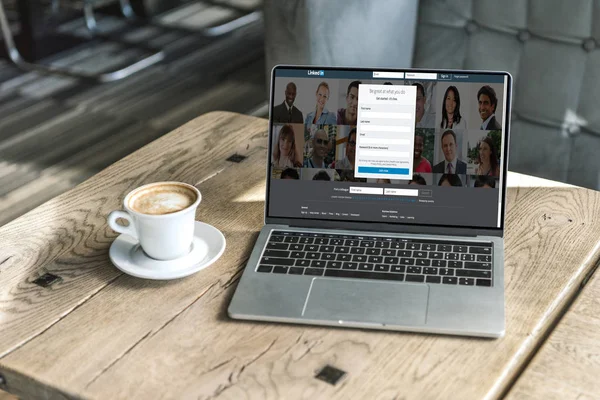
{"x": 383, "y": 170}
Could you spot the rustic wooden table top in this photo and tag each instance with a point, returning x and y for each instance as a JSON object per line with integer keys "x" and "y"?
{"x": 98, "y": 333}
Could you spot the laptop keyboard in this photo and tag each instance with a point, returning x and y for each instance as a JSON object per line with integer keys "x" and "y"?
{"x": 377, "y": 257}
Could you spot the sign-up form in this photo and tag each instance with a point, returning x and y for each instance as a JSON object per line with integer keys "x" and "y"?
{"x": 386, "y": 131}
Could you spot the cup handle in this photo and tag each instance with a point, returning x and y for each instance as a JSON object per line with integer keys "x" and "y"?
{"x": 128, "y": 230}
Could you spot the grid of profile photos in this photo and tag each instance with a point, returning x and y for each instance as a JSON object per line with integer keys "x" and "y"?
{"x": 458, "y": 132}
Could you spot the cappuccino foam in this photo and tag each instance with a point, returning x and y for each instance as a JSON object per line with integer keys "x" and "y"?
{"x": 162, "y": 199}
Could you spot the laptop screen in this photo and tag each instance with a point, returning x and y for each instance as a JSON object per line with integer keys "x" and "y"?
{"x": 388, "y": 146}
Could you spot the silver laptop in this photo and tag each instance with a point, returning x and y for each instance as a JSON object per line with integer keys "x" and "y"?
{"x": 385, "y": 201}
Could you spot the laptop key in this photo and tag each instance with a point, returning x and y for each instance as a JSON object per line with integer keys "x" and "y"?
{"x": 438, "y": 263}
{"x": 291, "y": 239}
{"x": 428, "y": 247}
{"x": 280, "y": 270}
{"x": 351, "y": 243}
{"x": 467, "y": 257}
{"x": 444, "y": 247}
{"x": 349, "y": 265}
{"x": 466, "y": 281}
{"x": 381, "y": 268}
{"x": 364, "y": 275}
{"x": 321, "y": 240}
{"x": 327, "y": 256}
{"x": 276, "y": 253}
{"x": 452, "y": 256}
{"x": 455, "y": 264}
{"x": 277, "y": 261}
{"x": 357, "y": 250}
{"x": 313, "y": 256}
{"x": 344, "y": 257}
{"x": 373, "y": 252}
{"x": 336, "y": 242}
{"x": 407, "y": 261}
{"x": 334, "y": 264}
{"x": 391, "y": 260}
{"x": 413, "y": 270}
{"x": 413, "y": 246}
{"x": 436, "y": 255}
{"x": 359, "y": 258}
{"x": 397, "y": 268}
{"x": 326, "y": 249}
{"x": 474, "y": 274}
{"x": 298, "y": 254}
{"x": 423, "y": 262}
{"x": 277, "y": 246}
{"x": 313, "y": 271}
{"x": 388, "y": 252}
{"x": 296, "y": 271}
{"x": 404, "y": 253}
{"x": 382, "y": 245}
{"x": 449, "y": 280}
{"x": 447, "y": 271}
{"x": 306, "y": 240}
{"x": 342, "y": 250}
{"x": 460, "y": 249}
{"x": 480, "y": 250}
{"x": 397, "y": 245}
{"x": 484, "y": 258}
{"x": 419, "y": 254}
{"x": 365, "y": 267}
{"x": 296, "y": 247}
{"x": 415, "y": 278}
{"x": 276, "y": 239}
{"x": 302, "y": 263}
{"x": 311, "y": 247}
{"x": 484, "y": 282}
{"x": 476, "y": 265}
{"x": 433, "y": 279}
{"x": 430, "y": 271}
{"x": 318, "y": 264}
{"x": 375, "y": 259}
{"x": 265, "y": 268}
{"x": 367, "y": 244}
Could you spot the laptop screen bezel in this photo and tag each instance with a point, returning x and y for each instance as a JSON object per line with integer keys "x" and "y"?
{"x": 393, "y": 226}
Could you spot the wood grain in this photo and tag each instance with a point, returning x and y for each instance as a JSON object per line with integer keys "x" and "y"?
{"x": 101, "y": 334}
{"x": 568, "y": 364}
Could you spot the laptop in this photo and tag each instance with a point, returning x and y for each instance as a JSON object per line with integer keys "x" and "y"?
{"x": 385, "y": 201}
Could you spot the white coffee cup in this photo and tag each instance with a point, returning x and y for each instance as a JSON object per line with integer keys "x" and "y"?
{"x": 161, "y": 217}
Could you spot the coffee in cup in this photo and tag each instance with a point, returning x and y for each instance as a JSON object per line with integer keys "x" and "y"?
{"x": 161, "y": 217}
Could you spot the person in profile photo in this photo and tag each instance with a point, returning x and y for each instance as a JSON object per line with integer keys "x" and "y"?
{"x": 423, "y": 120}
{"x": 417, "y": 180}
{"x": 486, "y": 97}
{"x": 485, "y": 182}
{"x": 321, "y": 114}
{"x": 347, "y": 116}
{"x": 449, "y": 180}
{"x": 287, "y": 112}
{"x": 284, "y": 153}
{"x": 289, "y": 173}
{"x": 451, "y": 163}
{"x": 320, "y": 148}
{"x": 321, "y": 176}
{"x": 451, "y": 118}
{"x": 420, "y": 163}
{"x": 487, "y": 158}
{"x": 348, "y": 161}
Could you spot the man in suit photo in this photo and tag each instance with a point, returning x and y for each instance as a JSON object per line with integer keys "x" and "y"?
{"x": 451, "y": 163}
{"x": 287, "y": 112}
{"x": 486, "y": 97}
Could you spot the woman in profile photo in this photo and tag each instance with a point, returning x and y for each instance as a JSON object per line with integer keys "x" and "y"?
{"x": 284, "y": 153}
{"x": 450, "y": 180}
{"x": 321, "y": 176}
{"x": 321, "y": 114}
{"x": 417, "y": 180}
{"x": 289, "y": 173}
{"x": 485, "y": 182}
{"x": 487, "y": 158}
{"x": 451, "y": 118}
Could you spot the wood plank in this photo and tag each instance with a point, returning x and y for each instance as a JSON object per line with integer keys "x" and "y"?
{"x": 142, "y": 339}
{"x": 568, "y": 364}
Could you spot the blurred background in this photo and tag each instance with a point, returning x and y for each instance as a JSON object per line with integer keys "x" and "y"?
{"x": 85, "y": 82}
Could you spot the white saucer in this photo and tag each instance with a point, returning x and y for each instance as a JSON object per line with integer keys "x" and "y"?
{"x": 208, "y": 245}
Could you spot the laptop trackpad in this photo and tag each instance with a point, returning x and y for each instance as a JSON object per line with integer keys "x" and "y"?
{"x": 366, "y": 301}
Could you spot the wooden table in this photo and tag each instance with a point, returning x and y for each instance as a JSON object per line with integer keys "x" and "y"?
{"x": 98, "y": 333}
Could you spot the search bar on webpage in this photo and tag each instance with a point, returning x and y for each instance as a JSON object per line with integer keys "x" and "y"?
{"x": 391, "y": 75}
